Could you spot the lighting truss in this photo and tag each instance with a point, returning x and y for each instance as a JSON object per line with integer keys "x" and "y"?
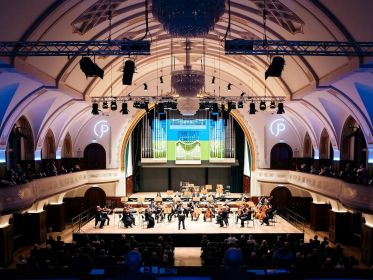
{"x": 305, "y": 48}
{"x": 217, "y": 99}
{"x": 75, "y": 48}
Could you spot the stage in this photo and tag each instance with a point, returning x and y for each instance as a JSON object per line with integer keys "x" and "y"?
{"x": 191, "y": 236}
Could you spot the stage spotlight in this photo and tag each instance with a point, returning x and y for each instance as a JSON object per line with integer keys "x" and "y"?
{"x": 262, "y": 105}
{"x": 276, "y": 67}
{"x": 240, "y": 104}
{"x": 229, "y": 87}
{"x": 252, "y": 109}
{"x": 113, "y": 105}
{"x": 215, "y": 109}
{"x": 280, "y": 108}
{"x": 105, "y": 105}
{"x": 202, "y": 106}
{"x": 146, "y": 106}
{"x": 213, "y": 80}
{"x": 128, "y": 70}
{"x": 161, "y": 79}
{"x": 90, "y": 69}
{"x": 231, "y": 105}
{"x": 124, "y": 109}
{"x": 160, "y": 109}
{"x": 272, "y": 105}
{"x": 95, "y": 110}
{"x": 137, "y": 105}
{"x": 242, "y": 94}
{"x": 145, "y": 87}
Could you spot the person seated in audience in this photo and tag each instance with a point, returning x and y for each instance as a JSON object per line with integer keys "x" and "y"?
{"x": 314, "y": 170}
{"x": 233, "y": 258}
{"x": 76, "y": 168}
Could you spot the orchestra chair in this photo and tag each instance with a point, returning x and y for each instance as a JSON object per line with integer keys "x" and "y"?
{"x": 140, "y": 200}
{"x": 124, "y": 199}
{"x": 251, "y": 220}
{"x": 273, "y": 220}
{"x": 120, "y": 221}
{"x": 142, "y": 221}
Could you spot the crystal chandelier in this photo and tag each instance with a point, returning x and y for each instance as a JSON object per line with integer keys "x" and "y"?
{"x": 188, "y": 18}
{"x": 187, "y": 83}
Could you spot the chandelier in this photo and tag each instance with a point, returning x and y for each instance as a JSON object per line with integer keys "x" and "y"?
{"x": 188, "y": 18}
{"x": 187, "y": 83}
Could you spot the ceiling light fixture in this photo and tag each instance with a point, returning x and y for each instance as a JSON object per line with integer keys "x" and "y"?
{"x": 262, "y": 105}
{"x": 90, "y": 69}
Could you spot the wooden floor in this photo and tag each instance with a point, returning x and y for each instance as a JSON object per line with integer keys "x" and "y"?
{"x": 192, "y": 227}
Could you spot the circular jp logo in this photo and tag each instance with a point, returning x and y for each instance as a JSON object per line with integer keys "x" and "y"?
{"x": 101, "y": 128}
{"x": 277, "y": 126}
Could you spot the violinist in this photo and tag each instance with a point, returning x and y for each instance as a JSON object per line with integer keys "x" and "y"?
{"x": 240, "y": 212}
{"x": 189, "y": 208}
{"x": 269, "y": 215}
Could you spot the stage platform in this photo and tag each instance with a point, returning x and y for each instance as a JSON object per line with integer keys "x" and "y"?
{"x": 191, "y": 236}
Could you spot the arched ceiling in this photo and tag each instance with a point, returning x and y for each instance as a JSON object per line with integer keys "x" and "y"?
{"x": 88, "y": 20}
{"x": 306, "y": 82}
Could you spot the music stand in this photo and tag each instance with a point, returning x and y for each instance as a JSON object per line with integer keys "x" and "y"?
{"x": 196, "y": 199}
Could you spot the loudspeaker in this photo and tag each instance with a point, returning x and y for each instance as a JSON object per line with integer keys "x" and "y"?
{"x": 276, "y": 67}
{"x": 128, "y": 70}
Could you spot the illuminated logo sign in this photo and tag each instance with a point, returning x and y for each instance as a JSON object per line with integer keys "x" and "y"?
{"x": 101, "y": 128}
{"x": 277, "y": 126}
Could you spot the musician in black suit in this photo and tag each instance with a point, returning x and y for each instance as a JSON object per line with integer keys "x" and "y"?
{"x": 99, "y": 217}
{"x": 149, "y": 218}
{"x": 181, "y": 217}
{"x": 246, "y": 216}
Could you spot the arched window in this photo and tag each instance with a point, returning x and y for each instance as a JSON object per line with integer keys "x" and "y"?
{"x": 49, "y": 147}
{"x": 281, "y": 156}
{"x": 307, "y": 146}
{"x": 353, "y": 144}
{"x": 94, "y": 156}
{"x": 324, "y": 145}
{"x": 20, "y": 144}
{"x": 67, "y": 147}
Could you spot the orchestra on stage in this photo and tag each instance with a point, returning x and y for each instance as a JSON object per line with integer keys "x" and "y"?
{"x": 201, "y": 203}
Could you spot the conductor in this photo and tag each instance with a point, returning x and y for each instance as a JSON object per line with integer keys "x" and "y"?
{"x": 181, "y": 217}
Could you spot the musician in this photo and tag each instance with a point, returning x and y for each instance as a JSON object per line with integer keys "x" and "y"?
{"x": 208, "y": 214}
{"x": 189, "y": 208}
{"x": 246, "y": 216}
{"x": 173, "y": 212}
{"x": 269, "y": 215}
{"x": 196, "y": 212}
{"x": 149, "y": 218}
{"x": 105, "y": 212}
{"x": 222, "y": 217}
{"x": 126, "y": 218}
{"x": 240, "y": 212}
{"x": 99, "y": 217}
{"x": 181, "y": 217}
{"x": 127, "y": 209}
{"x": 159, "y": 215}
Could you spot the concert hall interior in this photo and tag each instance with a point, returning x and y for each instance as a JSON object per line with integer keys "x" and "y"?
{"x": 188, "y": 139}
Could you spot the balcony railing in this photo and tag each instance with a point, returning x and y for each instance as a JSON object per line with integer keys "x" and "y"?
{"x": 352, "y": 196}
{"x": 20, "y": 197}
